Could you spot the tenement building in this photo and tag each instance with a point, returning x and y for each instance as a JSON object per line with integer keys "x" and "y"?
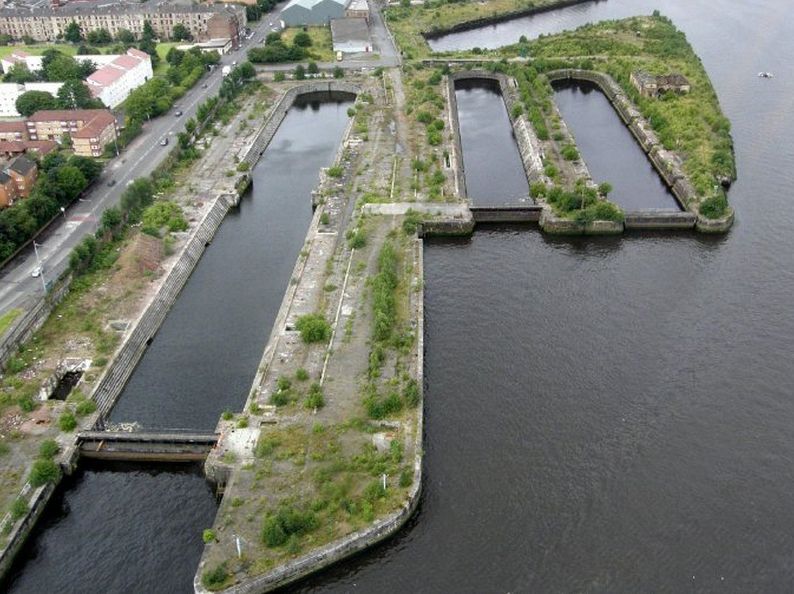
{"x": 48, "y": 23}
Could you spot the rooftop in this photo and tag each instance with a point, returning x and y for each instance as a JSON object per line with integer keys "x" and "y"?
{"x": 309, "y": 4}
{"x": 80, "y": 8}
{"x": 345, "y": 30}
{"x": 22, "y": 165}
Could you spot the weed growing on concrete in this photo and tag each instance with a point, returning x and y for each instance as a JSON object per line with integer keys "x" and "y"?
{"x": 313, "y": 328}
{"x": 44, "y": 471}
{"x": 315, "y": 398}
{"x": 48, "y": 449}
{"x": 301, "y": 374}
{"x": 67, "y": 422}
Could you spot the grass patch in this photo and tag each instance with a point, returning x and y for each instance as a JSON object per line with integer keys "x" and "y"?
{"x": 321, "y": 49}
{"x": 8, "y": 318}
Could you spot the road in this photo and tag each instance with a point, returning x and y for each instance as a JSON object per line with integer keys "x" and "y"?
{"x": 17, "y": 286}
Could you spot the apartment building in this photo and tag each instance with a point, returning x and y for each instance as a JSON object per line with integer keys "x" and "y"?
{"x": 91, "y": 130}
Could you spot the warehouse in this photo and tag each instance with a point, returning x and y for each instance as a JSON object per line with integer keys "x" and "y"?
{"x": 312, "y": 12}
{"x": 351, "y": 36}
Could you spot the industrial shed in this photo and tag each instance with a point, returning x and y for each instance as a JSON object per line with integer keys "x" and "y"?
{"x": 351, "y": 36}
{"x": 312, "y": 12}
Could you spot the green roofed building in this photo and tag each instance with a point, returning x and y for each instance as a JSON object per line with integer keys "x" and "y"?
{"x": 312, "y": 12}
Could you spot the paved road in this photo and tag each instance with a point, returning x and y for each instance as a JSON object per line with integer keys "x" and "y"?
{"x": 17, "y": 287}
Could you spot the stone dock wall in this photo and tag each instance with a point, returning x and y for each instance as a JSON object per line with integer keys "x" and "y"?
{"x": 24, "y": 327}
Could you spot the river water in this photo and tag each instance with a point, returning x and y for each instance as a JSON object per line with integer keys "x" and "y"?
{"x": 204, "y": 357}
{"x": 616, "y": 414}
{"x": 610, "y": 151}
{"x": 489, "y": 147}
{"x": 119, "y": 528}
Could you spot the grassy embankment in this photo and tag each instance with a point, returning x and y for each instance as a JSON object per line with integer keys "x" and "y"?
{"x": 321, "y": 49}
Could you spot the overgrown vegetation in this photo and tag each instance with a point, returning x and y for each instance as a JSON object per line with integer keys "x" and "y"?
{"x": 313, "y": 328}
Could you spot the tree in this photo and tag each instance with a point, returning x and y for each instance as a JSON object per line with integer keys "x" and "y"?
{"x": 174, "y": 56}
{"x": 302, "y": 39}
{"x": 89, "y": 167}
{"x": 99, "y": 36}
{"x": 57, "y": 66}
{"x": 272, "y": 37}
{"x": 125, "y": 36}
{"x": 605, "y": 189}
{"x": 181, "y": 33}
{"x": 246, "y": 71}
{"x": 148, "y": 31}
{"x": 253, "y": 13}
{"x": 300, "y": 72}
{"x": 338, "y": 72}
{"x": 74, "y": 94}
{"x": 313, "y": 69}
{"x": 5, "y": 39}
{"x": 29, "y": 103}
{"x": 69, "y": 181}
{"x": 87, "y": 50}
{"x": 19, "y": 73}
{"x": 73, "y": 33}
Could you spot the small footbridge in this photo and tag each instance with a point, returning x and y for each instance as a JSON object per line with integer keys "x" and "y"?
{"x": 168, "y": 445}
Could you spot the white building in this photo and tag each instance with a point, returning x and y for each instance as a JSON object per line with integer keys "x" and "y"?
{"x": 34, "y": 62}
{"x": 10, "y": 92}
{"x": 222, "y": 46}
{"x": 113, "y": 83}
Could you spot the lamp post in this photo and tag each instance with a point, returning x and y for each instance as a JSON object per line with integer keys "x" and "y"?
{"x": 40, "y": 266}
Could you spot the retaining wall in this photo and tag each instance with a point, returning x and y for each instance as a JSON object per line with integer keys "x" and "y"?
{"x": 127, "y": 356}
{"x": 32, "y": 320}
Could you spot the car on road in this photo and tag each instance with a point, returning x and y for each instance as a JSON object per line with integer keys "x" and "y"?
{"x": 178, "y": 113}
{"x": 36, "y": 272}
{"x": 204, "y": 86}
{"x": 111, "y": 183}
{"x": 164, "y": 142}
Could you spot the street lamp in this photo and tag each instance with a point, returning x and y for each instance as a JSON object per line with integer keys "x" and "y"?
{"x": 40, "y": 266}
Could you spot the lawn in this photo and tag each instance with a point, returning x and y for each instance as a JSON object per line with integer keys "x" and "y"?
{"x": 39, "y": 49}
{"x": 321, "y": 49}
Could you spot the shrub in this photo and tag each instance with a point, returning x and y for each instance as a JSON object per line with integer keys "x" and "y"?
{"x": 411, "y": 393}
{"x": 19, "y": 508}
{"x": 383, "y": 300}
{"x": 410, "y": 222}
{"x": 379, "y": 408}
{"x": 357, "y": 239}
{"x": 302, "y": 39}
{"x": 569, "y": 152}
{"x": 243, "y": 166}
{"x": 43, "y": 472}
{"x": 242, "y": 423}
{"x": 85, "y": 407}
{"x": 48, "y": 449}
{"x": 406, "y": 477}
{"x": 301, "y": 375}
{"x": 67, "y": 422}
{"x": 279, "y": 76}
{"x": 537, "y": 189}
{"x": 227, "y": 415}
{"x": 338, "y": 72}
{"x": 313, "y": 328}
{"x": 215, "y": 578}
{"x": 325, "y": 219}
{"x": 518, "y": 109}
{"x": 714, "y": 206}
{"x": 604, "y": 189}
{"x": 315, "y": 399}
{"x": 286, "y": 522}
{"x": 208, "y": 535}
{"x": 335, "y": 171}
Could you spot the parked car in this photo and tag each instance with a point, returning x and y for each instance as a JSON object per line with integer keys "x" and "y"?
{"x": 164, "y": 142}
{"x": 36, "y": 272}
{"x": 178, "y": 113}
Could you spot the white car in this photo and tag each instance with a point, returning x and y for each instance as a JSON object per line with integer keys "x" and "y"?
{"x": 36, "y": 272}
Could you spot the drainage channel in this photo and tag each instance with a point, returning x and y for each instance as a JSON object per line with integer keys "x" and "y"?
{"x": 116, "y": 527}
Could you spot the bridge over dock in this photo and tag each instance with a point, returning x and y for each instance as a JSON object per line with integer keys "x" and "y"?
{"x": 140, "y": 446}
